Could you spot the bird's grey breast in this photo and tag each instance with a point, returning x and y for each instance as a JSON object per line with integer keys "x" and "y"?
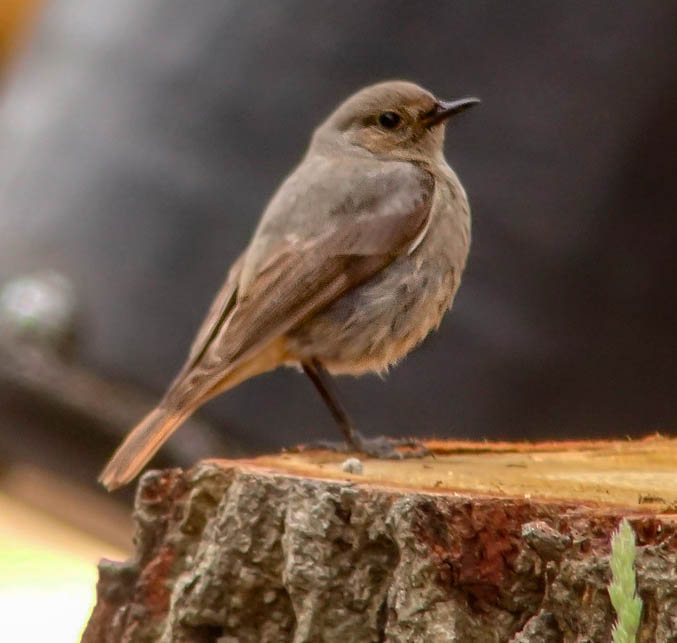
{"x": 375, "y": 324}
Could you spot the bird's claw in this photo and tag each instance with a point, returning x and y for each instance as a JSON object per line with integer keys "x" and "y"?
{"x": 380, "y": 448}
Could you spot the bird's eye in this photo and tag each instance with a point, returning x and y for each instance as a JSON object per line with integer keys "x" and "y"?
{"x": 389, "y": 120}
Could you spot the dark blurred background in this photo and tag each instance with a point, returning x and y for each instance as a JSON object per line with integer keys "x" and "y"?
{"x": 140, "y": 140}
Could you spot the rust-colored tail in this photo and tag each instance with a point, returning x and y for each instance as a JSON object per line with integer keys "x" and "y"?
{"x": 140, "y": 446}
{"x": 184, "y": 396}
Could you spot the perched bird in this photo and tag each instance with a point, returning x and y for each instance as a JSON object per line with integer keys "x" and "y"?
{"x": 356, "y": 258}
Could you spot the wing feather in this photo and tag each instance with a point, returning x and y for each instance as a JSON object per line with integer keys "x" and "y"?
{"x": 297, "y": 279}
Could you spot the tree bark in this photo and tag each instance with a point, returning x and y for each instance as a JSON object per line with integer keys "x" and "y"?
{"x": 481, "y": 543}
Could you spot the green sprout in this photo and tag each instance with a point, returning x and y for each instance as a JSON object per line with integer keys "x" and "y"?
{"x": 622, "y": 589}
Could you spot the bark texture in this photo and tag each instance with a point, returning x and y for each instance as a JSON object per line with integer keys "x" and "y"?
{"x": 237, "y": 552}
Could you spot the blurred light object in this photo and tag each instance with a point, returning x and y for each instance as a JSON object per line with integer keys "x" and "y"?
{"x": 40, "y": 309}
{"x": 16, "y": 17}
{"x": 47, "y": 575}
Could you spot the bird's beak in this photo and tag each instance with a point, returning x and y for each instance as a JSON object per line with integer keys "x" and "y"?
{"x": 446, "y": 109}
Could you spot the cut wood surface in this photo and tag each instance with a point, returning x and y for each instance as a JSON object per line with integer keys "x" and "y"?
{"x": 479, "y": 542}
{"x": 629, "y": 472}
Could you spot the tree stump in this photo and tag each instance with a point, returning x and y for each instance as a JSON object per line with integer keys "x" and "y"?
{"x": 482, "y": 542}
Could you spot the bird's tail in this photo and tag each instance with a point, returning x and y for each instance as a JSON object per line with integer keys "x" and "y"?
{"x": 183, "y": 397}
{"x": 140, "y": 445}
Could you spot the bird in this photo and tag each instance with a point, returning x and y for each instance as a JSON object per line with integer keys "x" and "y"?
{"x": 355, "y": 259}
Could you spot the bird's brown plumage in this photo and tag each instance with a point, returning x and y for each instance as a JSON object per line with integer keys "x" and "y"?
{"x": 331, "y": 234}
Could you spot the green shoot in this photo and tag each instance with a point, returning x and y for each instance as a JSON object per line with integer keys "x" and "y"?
{"x": 622, "y": 589}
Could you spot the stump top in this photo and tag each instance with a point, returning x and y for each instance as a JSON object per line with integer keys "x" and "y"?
{"x": 639, "y": 474}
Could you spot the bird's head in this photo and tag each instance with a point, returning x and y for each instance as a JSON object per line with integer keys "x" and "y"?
{"x": 392, "y": 120}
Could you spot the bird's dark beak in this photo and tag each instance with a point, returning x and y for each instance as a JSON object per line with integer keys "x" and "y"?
{"x": 446, "y": 109}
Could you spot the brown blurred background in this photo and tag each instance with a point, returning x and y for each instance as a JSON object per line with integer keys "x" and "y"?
{"x": 140, "y": 141}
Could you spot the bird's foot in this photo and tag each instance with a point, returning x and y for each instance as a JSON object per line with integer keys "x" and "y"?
{"x": 385, "y": 448}
{"x": 381, "y": 447}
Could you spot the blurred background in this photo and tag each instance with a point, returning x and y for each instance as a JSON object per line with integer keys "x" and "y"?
{"x": 140, "y": 141}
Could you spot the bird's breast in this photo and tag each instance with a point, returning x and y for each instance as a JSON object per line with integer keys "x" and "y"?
{"x": 376, "y": 324}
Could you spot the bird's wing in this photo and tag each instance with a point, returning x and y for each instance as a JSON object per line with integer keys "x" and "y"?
{"x": 218, "y": 311}
{"x": 371, "y": 224}
{"x": 311, "y": 247}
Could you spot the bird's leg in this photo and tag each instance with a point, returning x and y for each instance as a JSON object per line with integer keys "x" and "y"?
{"x": 380, "y": 447}
{"x": 320, "y": 378}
